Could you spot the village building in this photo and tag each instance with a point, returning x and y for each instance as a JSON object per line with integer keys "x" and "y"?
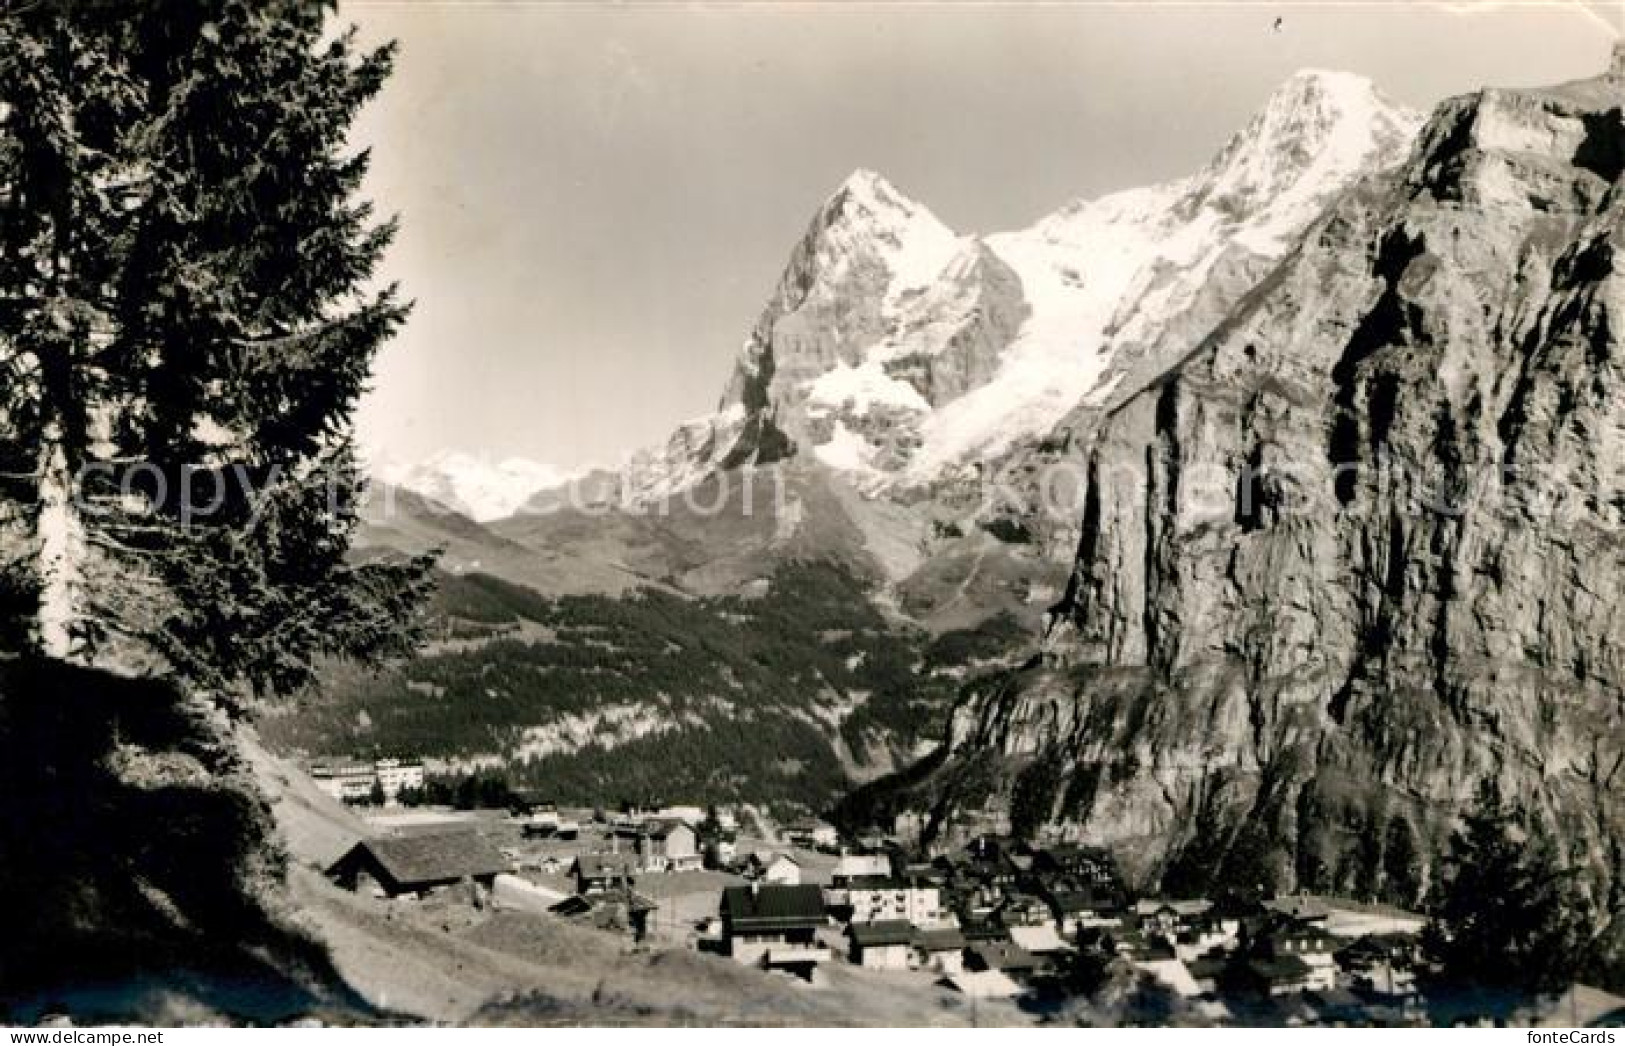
{"x": 1287, "y": 975}
{"x": 882, "y": 898}
{"x": 1382, "y": 967}
{"x": 347, "y": 782}
{"x": 941, "y": 950}
{"x": 601, "y": 873}
{"x": 1308, "y": 942}
{"x": 419, "y": 864}
{"x": 1205, "y": 935}
{"x": 774, "y": 926}
{"x": 692, "y": 816}
{"x": 398, "y": 775}
{"x": 1170, "y": 918}
{"x": 720, "y": 853}
{"x": 618, "y": 910}
{"x": 886, "y": 945}
{"x": 852, "y": 866}
{"x": 352, "y": 781}
{"x": 1085, "y": 865}
{"x": 1042, "y": 941}
{"x": 814, "y": 835}
{"x": 523, "y": 802}
{"x": 1303, "y": 909}
{"x": 541, "y": 824}
{"x": 987, "y": 863}
{"x": 773, "y": 869}
{"x": 1137, "y": 945}
{"x": 1078, "y": 909}
{"x": 908, "y": 826}
{"x": 1024, "y": 909}
{"x": 973, "y": 903}
{"x": 668, "y": 845}
{"x": 1287, "y": 955}
{"x": 1003, "y": 956}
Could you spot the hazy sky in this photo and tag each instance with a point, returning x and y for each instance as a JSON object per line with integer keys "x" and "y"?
{"x": 597, "y": 200}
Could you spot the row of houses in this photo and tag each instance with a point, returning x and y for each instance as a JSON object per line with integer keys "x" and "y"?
{"x": 999, "y": 916}
{"x": 971, "y": 918}
{"x": 1284, "y": 951}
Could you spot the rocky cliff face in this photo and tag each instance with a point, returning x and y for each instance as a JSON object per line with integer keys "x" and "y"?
{"x": 1362, "y": 548}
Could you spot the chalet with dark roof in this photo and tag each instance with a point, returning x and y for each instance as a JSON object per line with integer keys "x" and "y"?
{"x": 1284, "y": 975}
{"x": 1005, "y": 956}
{"x": 1075, "y": 907}
{"x": 419, "y": 864}
{"x": 1087, "y": 866}
{"x": 774, "y": 926}
{"x": 601, "y": 873}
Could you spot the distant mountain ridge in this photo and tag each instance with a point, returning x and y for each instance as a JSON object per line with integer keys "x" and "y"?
{"x": 899, "y": 365}
{"x": 479, "y": 487}
{"x": 901, "y": 354}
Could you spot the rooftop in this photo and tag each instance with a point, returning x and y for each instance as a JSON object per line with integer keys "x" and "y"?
{"x": 881, "y": 934}
{"x": 1285, "y": 968}
{"x": 1003, "y": 955}
{"x": 434, "y": 858}
{"x": 1152, "y": 905}
{"x": 947, "y": 939}
{"x": 603, "y": 866}
{"x": 773, "y": 906}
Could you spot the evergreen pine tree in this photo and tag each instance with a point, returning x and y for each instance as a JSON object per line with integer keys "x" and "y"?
{"x": 1402, "y": 863}
{"x": 1509, "y": 916}
{"x": 1312, "y": 873}
{"x": 186, "y": 322}
{"x": 1367, "y": 857}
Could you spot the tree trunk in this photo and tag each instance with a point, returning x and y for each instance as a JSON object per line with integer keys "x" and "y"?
{"x": 61, "y": 536}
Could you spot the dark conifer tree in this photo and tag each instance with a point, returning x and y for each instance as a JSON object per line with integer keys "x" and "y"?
{"x": 1402, "y": 863}
{"x": 187, "y": 318}
{"x": 1509, "y": 914}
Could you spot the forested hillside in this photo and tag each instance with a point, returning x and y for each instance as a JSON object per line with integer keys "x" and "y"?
{"x": 784, "y": 694}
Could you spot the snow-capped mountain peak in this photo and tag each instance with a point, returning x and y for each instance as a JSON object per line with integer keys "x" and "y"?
{"x": 479, "y": 486}
{"x": 1320, "y": 128}
{"x": 868, "y": 219}
{"x": 901, "y": 353}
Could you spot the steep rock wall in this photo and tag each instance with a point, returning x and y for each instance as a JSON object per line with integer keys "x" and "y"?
{"x": 1363, "y": 547}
